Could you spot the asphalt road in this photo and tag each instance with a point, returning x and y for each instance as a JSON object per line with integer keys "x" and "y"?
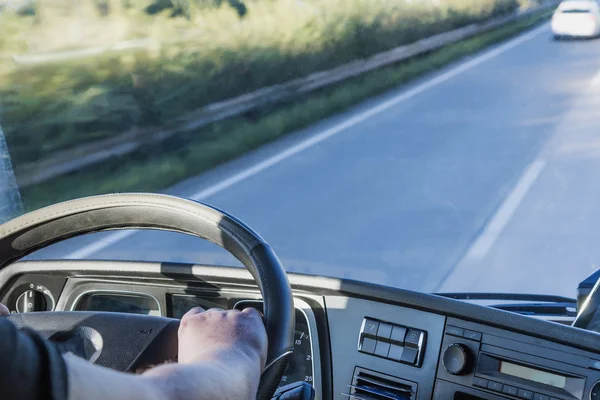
{"x": 480, "y": 177}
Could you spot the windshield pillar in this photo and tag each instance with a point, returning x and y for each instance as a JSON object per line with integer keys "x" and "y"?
{"x": 10, "y": 198}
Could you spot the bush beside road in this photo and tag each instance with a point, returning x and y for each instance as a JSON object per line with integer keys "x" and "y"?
{"x": 195, "y": 56}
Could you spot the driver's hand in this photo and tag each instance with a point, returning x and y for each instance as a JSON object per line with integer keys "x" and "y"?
{"x": 3, "y": 310}
{"x": 213, "y": 333}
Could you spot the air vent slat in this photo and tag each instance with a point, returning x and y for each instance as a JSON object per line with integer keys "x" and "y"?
{"x": 380, "y": 383}
{"x": 374, "y": 392}
{"x": 371, "y": 385}
{"x": 357, "y": 396}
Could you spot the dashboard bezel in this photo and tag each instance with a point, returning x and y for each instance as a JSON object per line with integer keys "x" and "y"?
{"x": 90, "y": 292}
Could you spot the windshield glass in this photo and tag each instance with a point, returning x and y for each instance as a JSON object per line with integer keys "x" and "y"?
{"x": 434, "y": 145}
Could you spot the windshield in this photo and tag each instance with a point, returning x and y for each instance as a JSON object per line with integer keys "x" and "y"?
{"x": 433, "y": 145}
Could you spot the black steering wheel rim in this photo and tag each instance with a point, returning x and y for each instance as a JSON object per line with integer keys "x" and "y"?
{"x": 43, "y": 227}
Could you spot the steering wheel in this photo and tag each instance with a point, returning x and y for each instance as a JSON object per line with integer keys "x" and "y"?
{"x": 127, "y": 341}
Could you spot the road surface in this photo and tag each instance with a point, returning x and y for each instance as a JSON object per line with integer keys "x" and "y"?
{"x": 481, "y": 177}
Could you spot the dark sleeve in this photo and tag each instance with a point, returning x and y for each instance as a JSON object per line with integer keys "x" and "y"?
{"x": 31, "y": 368}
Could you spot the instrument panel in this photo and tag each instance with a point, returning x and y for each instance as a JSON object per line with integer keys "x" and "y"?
{"x": 29, "y": 293}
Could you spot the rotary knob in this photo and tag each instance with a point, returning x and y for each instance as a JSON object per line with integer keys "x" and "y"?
{"x": 33, "y": 300}
{"x": 457, "y": 359}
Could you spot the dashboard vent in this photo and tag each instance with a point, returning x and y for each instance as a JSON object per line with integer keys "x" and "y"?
{"x": 370, "y": 385}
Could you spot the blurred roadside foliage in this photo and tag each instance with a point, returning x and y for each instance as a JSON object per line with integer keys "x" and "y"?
{"x": 156, "y": 61}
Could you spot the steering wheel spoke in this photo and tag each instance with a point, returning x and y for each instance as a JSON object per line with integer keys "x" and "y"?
{"x": 124, "y": 342}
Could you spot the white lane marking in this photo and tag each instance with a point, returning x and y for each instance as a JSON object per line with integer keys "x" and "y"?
{"x": 494, "y": 228}
{"x": 99, "y": 245}
{"x": 326, "y": 134}
{"x": 596, "y": 79}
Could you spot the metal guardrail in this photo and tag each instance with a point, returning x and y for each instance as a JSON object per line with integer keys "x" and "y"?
{"x": 73, "y": 159}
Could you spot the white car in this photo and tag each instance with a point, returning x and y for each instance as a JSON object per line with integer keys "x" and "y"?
{"x": 576, "y": 18}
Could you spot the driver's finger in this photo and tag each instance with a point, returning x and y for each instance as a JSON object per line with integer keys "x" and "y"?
{"x": 3, "y": 310}
{"x": 214, "y": 310}
{"x": 194, "y": 311}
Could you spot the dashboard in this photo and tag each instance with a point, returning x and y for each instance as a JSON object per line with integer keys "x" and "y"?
{"x": 353, "y": 340}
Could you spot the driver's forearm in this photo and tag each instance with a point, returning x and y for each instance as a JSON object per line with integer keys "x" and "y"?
{"x": 210, "y": 380}
{"x": 87, "y": 381}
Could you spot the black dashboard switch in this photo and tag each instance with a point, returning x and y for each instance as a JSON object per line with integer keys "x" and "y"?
{"x": 538, "y": 396}
{"x": 480, "y": 382}
{"x": 511, "y": 390}
{"x": 382, "y": 349}
{"x": 525, "y": 394}
{"x": 454, "y": 331}
{"x": 495, "y": 386}
{"x": 368, "y": 345}
{"x": 384, "y": 332}
{"x": 472, "y": 335}
{"x": 409, "y": 355}
{"x": 413, "y": 338}
{"x": 370, "y": 328}
{"x": 398, "y": 334}
{"x": 395, "y": 352}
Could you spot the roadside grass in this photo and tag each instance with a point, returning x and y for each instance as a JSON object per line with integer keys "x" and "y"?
{"x": 155, "y": 168}
{"x": 212, "y": 56}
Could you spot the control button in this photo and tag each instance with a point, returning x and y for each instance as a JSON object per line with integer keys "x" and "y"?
{"x": 511, "y": 390}
{"x": 395, "y": 352}
{"x": 495, "y": 386}
{"x": 370, "y": 328}
{"x": 409, "y": 355}
{"x": 413, "y": 338}
{"x": 480, "y": 382}
{"x": 595, "y": 392}
{"x": 456, "y": 359}
{"x": 454, "y": 330}
{"x": 472, "y": 335}
{"x": 382, "y": 349}
{"x": 525, "y": 394}
{"x": 538, "y": 396}
{"x": 368, "y": 345}
{"x": 398, "y": 334}
{"x": 384, "y": 332}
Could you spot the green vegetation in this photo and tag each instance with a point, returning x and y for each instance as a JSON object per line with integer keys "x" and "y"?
{"x": 155, "y": 168}
{"x": 193, "y": 52}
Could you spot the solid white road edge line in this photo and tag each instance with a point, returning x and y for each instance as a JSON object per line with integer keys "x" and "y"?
{"x": 88, "y": 250}
{"x": 496, "y": 225}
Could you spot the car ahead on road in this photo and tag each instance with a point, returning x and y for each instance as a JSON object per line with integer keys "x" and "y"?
{"x": 339, "y": 338}
{"x": 576, "y": 19}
